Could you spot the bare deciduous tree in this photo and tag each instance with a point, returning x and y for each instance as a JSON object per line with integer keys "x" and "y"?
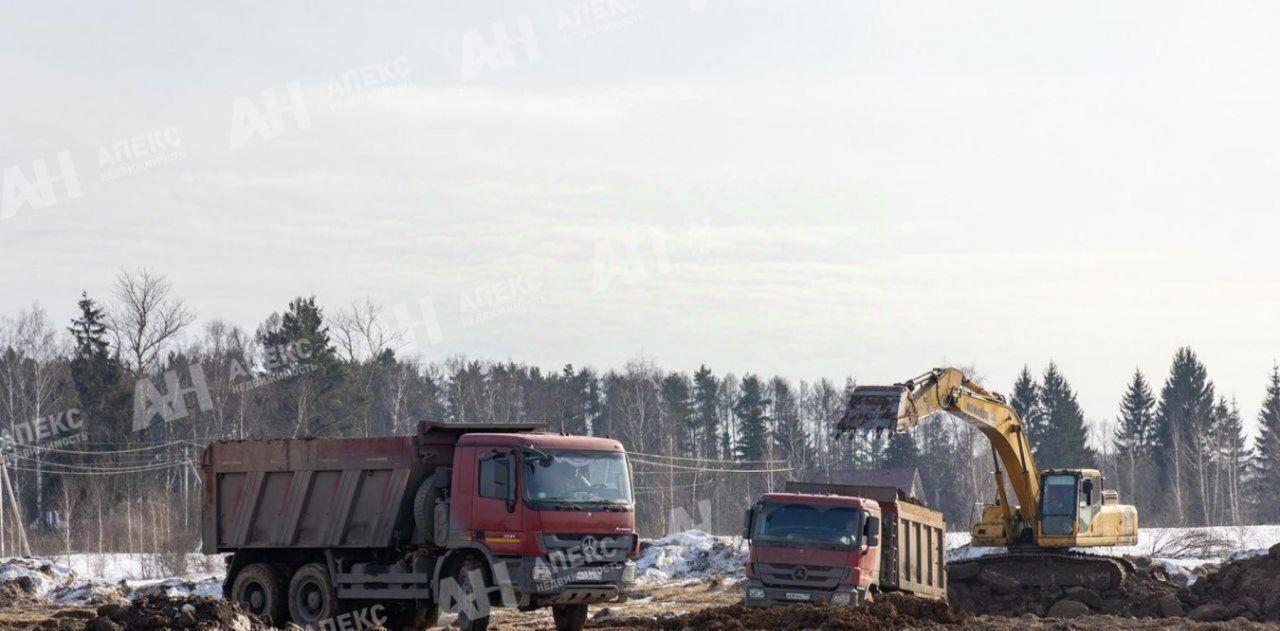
{"x": 146, "y": 317}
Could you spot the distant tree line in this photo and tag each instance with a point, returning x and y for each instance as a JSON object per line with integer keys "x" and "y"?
{"x": 104, "y": 455}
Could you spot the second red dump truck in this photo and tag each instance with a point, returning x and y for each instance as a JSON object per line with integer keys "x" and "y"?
{"x": 331, "y": 532}
{"x": 838, "y": 543}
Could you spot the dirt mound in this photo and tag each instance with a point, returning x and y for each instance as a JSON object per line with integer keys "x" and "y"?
{"x": 1244, "y": 588}
{"x": 18, "y": 592}
{"x": 159, "y": 612}
{"x": 891, "y": 611}
{"x": 1249, "y": 588}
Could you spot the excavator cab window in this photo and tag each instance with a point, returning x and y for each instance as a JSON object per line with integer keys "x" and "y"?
{"x": 1058, "y": 504}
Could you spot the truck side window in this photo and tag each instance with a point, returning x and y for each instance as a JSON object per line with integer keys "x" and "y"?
{"x": 495, "y": 476}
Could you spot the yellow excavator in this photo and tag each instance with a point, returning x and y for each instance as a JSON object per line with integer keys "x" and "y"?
{"x": 1056, "y": 509}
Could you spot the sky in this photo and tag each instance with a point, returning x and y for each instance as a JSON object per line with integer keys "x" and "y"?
{"x": 811, "y": 190}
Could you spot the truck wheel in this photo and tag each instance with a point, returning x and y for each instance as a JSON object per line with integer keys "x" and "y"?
{"x": 260, "y": 589}
{"x": 311, "y": 596}
{"x": 470, "y": 599}
{"x": 569, "y": 617}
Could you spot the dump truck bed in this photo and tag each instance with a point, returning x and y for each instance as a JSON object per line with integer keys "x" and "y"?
{"x": 309, "y": 493}
{"x": 913, "y": 548}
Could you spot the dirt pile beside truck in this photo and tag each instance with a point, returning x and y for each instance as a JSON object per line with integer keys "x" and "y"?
{"x": 159, "y": 612}
{"x": 892, "y": 611}
{"x": 1245, "y": 588}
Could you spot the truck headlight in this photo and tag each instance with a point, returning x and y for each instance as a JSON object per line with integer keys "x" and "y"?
{"x": 842, "y": 598}
{"x": 629, "y": 573}
{"x": 541, "y": 572}
{"x": 755, "y": 592}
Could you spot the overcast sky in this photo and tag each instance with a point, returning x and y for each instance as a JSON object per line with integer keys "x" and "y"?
{"x": 816, "y": 189}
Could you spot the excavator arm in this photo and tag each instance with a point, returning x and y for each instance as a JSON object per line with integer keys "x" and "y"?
{"x": 902, "y": 406}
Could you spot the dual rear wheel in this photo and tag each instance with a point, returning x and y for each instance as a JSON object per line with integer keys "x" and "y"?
{"x": 308, "y": 599}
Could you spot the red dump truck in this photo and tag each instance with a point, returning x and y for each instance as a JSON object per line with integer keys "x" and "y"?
{"x": 839, "y": 543}
{"x": 330, "y": 532}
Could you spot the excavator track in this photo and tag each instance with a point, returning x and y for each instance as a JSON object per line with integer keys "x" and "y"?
{"x": 1027, "y": 569}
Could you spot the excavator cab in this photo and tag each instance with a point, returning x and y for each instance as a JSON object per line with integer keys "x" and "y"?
{"x": 1077, "y": 510}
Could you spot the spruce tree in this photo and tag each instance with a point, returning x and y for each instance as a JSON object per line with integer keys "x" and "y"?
{"x": 753, "y": 421}
{"x": 705, "y": 394}
{"x": 1134, "y": 437}
{"x": 1266, "y": 461}
{"x": 1026, "y": 402}
{"x": 902, "y": 451}
{"x": 1065, "y": 439}
{"x": 101, "y": 383}
{"x": 1186, "y": 407}
{"x": 678, "y": 409}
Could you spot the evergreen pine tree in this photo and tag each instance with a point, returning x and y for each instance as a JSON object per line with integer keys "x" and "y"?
{"x": 101, "y": 385}
{"x": 1134, "y": 437}
{"x": 1065, "y": 439}
{"x": 1026, "y": 402}
{"x": 678, "y": 408}
{"x": 753, "y": 421}
{"x": 705, "y": 394}
{"x": 902, "y": 451}
{"x": 1266, "y": 461}
{"x": 321, "y": 398}
{"x": 1186, "y": 406}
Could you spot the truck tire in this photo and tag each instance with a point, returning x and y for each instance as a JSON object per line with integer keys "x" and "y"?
{"x": 569, "y": 617}
{"x": 260, "y": 589}
{"x": 312, "y": 598}
{"x": 463, "y": 577}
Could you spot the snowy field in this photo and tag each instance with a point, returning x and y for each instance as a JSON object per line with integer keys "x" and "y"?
{"x": 687, "y": 557}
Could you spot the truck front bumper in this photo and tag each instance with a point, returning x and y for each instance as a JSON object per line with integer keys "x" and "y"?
{"x": 757, "y": 594}
{"x": 584, "y": 585}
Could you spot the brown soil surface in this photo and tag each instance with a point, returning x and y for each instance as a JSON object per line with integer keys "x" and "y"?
{"x": 1248, "y": 589}
{"x": 156, "y": 613}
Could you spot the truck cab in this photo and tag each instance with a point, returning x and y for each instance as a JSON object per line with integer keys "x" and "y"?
{"x": 556, "y": 511}
{"x": 811, "y": 548}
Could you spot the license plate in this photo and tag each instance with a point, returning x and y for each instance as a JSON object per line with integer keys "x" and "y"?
{"x": 797, "y": 596}
{"x": 588, "y": 575}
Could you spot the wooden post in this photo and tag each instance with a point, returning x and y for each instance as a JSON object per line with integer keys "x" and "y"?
{"x": 25, "y": 548}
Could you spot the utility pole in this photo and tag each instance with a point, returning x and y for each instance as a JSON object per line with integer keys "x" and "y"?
{"x": 21, "y": 546}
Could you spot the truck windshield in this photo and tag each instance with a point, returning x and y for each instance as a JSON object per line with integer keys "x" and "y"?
{"x": 570, "y": 479}
{"x": 802, "y": 525}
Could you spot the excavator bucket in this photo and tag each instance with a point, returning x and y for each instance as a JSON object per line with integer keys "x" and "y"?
{"x": 876, "y": 407}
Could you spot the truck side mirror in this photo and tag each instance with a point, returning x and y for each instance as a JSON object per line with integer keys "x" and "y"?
{"x": 872, "y": 531}
{"x": 746, "y": 523}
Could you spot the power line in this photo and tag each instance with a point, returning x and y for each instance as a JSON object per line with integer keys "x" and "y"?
{"x": 684, "y": 468}
{"x": 708, "y": 460}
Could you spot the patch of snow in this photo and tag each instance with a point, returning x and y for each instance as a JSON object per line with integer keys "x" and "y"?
{"x": 691, "y": 556}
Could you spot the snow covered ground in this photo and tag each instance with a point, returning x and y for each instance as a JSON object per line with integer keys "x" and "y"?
{"x": 1163, "y": 545}
{"x": 75, "y": 584}
{"x": 692, "y": 555}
